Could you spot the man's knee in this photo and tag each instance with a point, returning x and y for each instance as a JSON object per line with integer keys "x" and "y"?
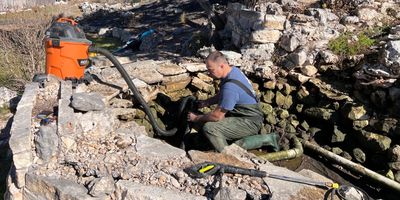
{"x": 208, "y": 127}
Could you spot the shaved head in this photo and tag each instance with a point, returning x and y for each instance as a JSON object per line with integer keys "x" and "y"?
{"x": 217, "y": 65}
{"x": 216, "y": 57}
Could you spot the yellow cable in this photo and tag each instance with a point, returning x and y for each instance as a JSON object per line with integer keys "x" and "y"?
{"x": 206, "y": 168}
{"x": 335, "y": 185}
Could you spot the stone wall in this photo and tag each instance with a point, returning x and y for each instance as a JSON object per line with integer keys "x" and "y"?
{"x": 87, "y": 150}
{"x": 20, "y": 142}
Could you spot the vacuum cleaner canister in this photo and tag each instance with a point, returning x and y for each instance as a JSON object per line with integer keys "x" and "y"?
{"x": 66, "y": 50}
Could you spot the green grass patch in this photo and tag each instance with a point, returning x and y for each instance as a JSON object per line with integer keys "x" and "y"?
{"x": 349, "y": 44}
{"x": 108, "y": 43}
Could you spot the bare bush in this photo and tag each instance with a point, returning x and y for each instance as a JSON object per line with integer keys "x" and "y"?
{"x": 22, "y": 53}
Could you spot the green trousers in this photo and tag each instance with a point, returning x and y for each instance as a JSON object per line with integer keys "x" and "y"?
{"x": 244, "y": 120}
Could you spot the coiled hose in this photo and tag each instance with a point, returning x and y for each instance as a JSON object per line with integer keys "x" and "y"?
{"x": 137, "y": 96}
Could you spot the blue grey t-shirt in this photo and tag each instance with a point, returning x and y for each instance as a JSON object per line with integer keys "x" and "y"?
{"x": 232, "y": 94}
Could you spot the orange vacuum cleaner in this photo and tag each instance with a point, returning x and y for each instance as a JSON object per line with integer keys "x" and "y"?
{"x": 67, "y": 56}
{"x": 67, "y": 48}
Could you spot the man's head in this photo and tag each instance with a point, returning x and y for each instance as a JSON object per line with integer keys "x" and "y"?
{"x": 217, "y": 65}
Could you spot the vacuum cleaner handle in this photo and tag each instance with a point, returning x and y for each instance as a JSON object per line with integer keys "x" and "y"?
{"x": 71, "y": 21}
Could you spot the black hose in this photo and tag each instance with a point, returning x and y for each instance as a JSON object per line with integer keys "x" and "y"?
{"x": 187, "y": 105}
{"x": 136, "y": 93}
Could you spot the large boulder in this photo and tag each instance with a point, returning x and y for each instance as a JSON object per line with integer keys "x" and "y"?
{"x": 373, "y": 141}
{"x": 87, "y": 101}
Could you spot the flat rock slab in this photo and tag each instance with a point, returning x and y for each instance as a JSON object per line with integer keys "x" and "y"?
{"x": 169, "y": 69}
{"x": 134, "y": 191}
{"x": 194, "y": 67}
{"x": 40, "y": 187}
{"x": 87, "y": 101}
{"x": 285, "y": 190}
{"x": 199, "y": 157}
{"x": 154, "y": 148}
{"x": 145, "y": 71}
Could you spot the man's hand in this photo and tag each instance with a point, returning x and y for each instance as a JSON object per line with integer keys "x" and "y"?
{"x": 217, "y": 114}
{"x": 192, "y": 117}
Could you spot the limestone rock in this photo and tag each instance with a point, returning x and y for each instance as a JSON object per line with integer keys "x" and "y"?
{"x": 175, "y": 83}
{"x": 337, "y": 150}
{"x": 300, "y": 78}
{"x": 87, "y": 101}
{"x": 283, "y": 114}
{"x": 394, "y": 165}
{"x": 391, "y": 56}
{"x": 123, "y": 140}
{"x": 337, "y": 136}
{"x": 397, "y": 176}
{"x": 359, "y": 155}
{"x": 279, "y": 99}
{"x": 360, "y": 124}
{"x": 309, "y": 70}
{"x": 229, "y": 193}
{"x": 144, "y": 70}
{"x": 374, "y": 142}
{"x": 394, "y": 153}
{"x": 46, "y": 142}
{"x": 205, "y": 78}
{"x": 350, "y": 20}
{"x": 268, "y": 96}
{"x": 120, "y": 103}
{"x": 270, "y": 119}
{"x": 270, "y": 85}
{"x": 199, "y": 157}
{"x": 295, "y": 59}
{"x": 328, "y": 57}
{"x": 100, "y": 187}
{"x": 257, "y": 52}
{"x": 266, "y": 108}
{"x": 156, "y": 149}
{"x": 265, "y": 36}
{"x": 136, "y": 191}
{"x": 98, "y": 123}
{"x": 275, "y": 22}
{"x": 169, "y": 69}
{"x": 55, "y": 188}
{"x": 368, "y": 14}
{"x": 194, "y": 67}
{"x": 354, "y": 112}
{"x": 319, "y": 113}
{"x": 233, "y": 58}
{"x": 289, "y": 42}
{"x": 346, "y": 155}
{"x": 201, "y": 85}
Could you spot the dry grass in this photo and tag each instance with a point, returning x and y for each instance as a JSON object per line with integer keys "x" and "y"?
{"x": 22, "y": 53}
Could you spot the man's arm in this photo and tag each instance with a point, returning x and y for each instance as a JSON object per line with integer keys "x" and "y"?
{"x": 216, "y": 115}
{"x": 210, "y": 101}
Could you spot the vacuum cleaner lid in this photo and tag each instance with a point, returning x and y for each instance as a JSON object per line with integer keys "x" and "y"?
{"x": 65, "y": 30}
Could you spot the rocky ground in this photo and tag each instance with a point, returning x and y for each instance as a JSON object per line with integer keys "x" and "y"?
{"x": 312, "y": 84}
